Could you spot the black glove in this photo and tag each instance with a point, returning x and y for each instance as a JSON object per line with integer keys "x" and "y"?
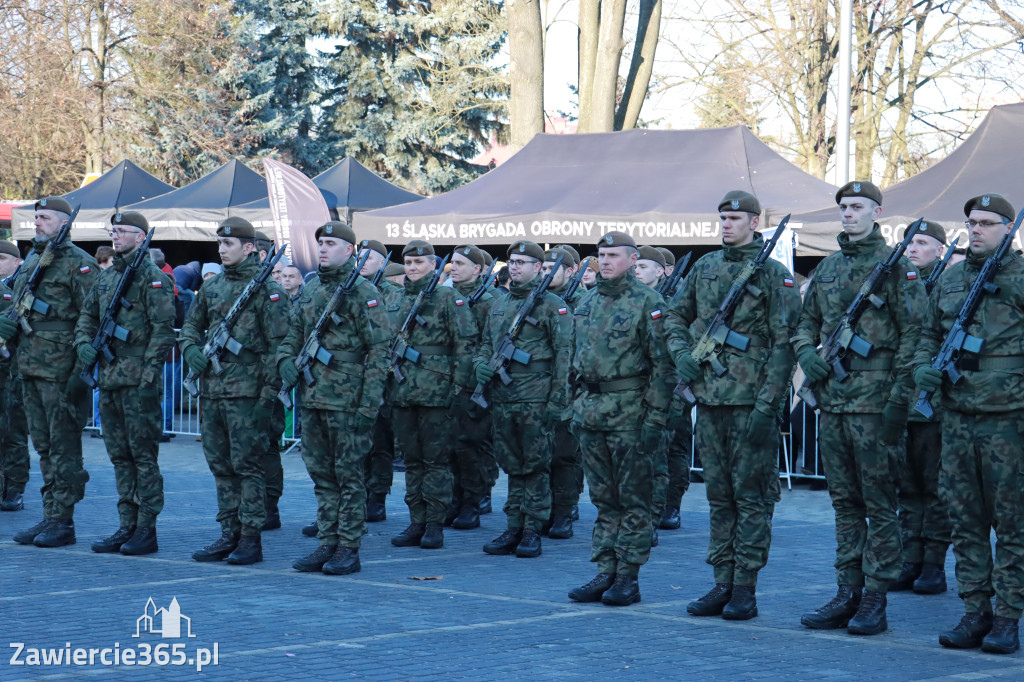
{"x": 894, "y": 422}
{"x": 815, "y": 369}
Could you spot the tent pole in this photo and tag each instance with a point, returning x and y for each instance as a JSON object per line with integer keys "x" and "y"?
{"x": 845, "y": 57}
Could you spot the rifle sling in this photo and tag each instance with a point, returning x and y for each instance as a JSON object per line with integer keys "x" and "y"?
{"x": 535, "y": 367}
{"x": 433, "y": 350}
{"x": 347, "y": 356}
{"x": 877, "y": 361}
{"x": 246, "y": 357}
{"x": 625, "y": 384}
{"x": 53, "y": 326}
{"x": 131, "y": 352}
{"x": 991, "y": 362}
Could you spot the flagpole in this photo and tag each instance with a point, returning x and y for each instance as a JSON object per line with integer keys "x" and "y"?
{"x": 845, "y": 59}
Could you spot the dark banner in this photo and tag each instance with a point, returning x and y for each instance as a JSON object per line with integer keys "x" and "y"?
{"x": 298, "y": 208}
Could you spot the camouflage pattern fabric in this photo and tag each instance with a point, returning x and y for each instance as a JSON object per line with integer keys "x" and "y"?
{"x": 659, "y": 482}
{"x": 378, "y": 467}
{"x": 680, "y": 456}
{"x": 14, "y": 458}
{"x": 924, "y": 521}
{"x": 425, "y": 436}
{"x": 234, "y": 447}
{"x": 131, "y": 432}
{"x": 56, "y": 424}
{"x": 273, "y": 471}
{"x": 522, "y": 445}
{"x": 566, "y": 470}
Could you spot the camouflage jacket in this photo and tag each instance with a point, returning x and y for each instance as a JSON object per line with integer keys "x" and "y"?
{"x": 916, "y": 416}
{"x": 389, "y": 291}
{"x": 546, "y": 378}
{"x": 48, "y": 352}
{"x": 6, "y": 364}
{"x": 573, "y": 300}
{"x": 149, "y": 321}
{"x": 893, "y": 329}
{"x": 993, "y": 381}
{"x": 450, "y": 336}
{"x": 619, "y": 335}
{"x": 768, "y": 318}
{"x": 346, "y": 384}
{"x": 259, "y": 328}
{"x": 482, "y": 308}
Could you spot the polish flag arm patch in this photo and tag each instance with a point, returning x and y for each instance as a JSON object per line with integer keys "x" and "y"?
{"x": 158, "y": 284}
{"x": 459, "y": 301}
{"x": 655, "y": 314}
{"x": 911, "y": 274}
{"x": 7, "y": 297}
{"x": 85, "y": 269}
{"x": 372, "y": 303}
{"x": 563, "y": 311}
{"x": 275, "y": 296}
{"x": 787, "y": 282}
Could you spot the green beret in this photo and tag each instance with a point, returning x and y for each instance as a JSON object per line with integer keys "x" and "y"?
{"x": 933, "y": 230}
{"x": 337, "y": 230}
{"x": 670, "y": 258}
{"x": 996, "y": 203}
{"x": 394, "y": 270}
{"x": 488, "y": 258}
{"x": 616, "y": 239}
{"x": 526, "y": 248}
{"x": 651, "y": 253}
{"x": 262, "y": 237}
{"x": 373, "y": 245}
{"x": 10, "y": 248}
{"x": 860, "y": 188}
{"x": 54, "y": 204}
{"x": 418, "y": 247}
{"x": 236, "y": 227}
{"x": 571, "y": 251}
{"x": 472, "y": 253}
{"x": 132, "y": 218}
{"x": 551, "y": 255}
{"x": 738, "y": 200}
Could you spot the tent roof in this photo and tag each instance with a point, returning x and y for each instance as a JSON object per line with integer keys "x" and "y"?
{"x": 123, "y": 184}
{"x": 662, "y": 186}
{"x": 986, "y": 162}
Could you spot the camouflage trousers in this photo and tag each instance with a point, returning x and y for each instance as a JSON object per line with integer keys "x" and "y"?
{"x": 56, "y": 428}
{"x": 620, "y": 480}
{"x": 566, "y": 470}
{"x": 862, "y": 472}
{"x": 659, "y": 482}
{"x": 131, "y": 432}
{"x": 982, "y": 481}
{"x": 680, "y": 455}
{"x": 334, "y": 455}
{"x": 14, "y": 459}
{"x": 378, "y": 465}
{"x": 522, "y": 446}
{"x": 473, "y": 448}
{"x": 273, "y": 472}
{"x": 924, "y": 521}
{"x": 425, "y": 436}
{"x": 234, "y": 447}
{"x": 738, "y": 476}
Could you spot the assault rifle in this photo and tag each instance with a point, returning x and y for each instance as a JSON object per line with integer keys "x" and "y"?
{"x": 671, "y": 283}
{"x": 718, "y": 335}
{"x": 109, "y": 329}
{"x": 400, "y": 348}
{"x": 485, "y": 284}
{"x": 929, "y": 283}
{"x": 311, "y": 349}
{"x": 506, "y": 353}
{"x": 958, "y": 340}
{"x": 219, "y": 339}
{"x": 843, "y": 338}
{"x": 383, "y": 266}
{"x": 25, "y": 301}
{"x": 577, "y": 279}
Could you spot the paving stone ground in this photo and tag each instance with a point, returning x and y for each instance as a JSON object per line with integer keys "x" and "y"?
{"x": 449, "y": 614}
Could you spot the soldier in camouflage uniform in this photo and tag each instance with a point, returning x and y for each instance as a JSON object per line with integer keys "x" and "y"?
{"x": 737, "y": 428}
{"x": 421, "y": 403}
{"x": 55, "y": 399}
{"x": 623, "y": 379}
{"x": 982, "y": 451}
{"x": 340, "y": 409}
{"x": 131, "y": 387}
{"x": 924, "y": 521}
{"x": 527, "y": 409}
{"x": 863, "y": 418}
{"x": 241, "y": 399}
{"x": 14, "y": 460}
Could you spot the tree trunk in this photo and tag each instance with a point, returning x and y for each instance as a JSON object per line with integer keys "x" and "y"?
{"x": 589, "y": 23}
{"x": 526, "y": 74}
{"x": 641, "y": 65}
{"x": 606, "y": 68}
{"x": 95, "y": 132}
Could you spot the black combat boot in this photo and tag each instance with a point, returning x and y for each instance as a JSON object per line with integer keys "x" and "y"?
{"x": 712, "y": 603}
{"x": 908, "y": 574}
{"x": 315, "y": 561}
{"x": 13, "y": 501}
{"x": 311, "y": 530}
{"x": 529, "y": 545}
{"x": 114, "y": 542}
{"x": 273, "y": 520}
{"x": 344, "y": 562}
{"x": 143, "y": 541}
{"x": 452, "y": 512}
{"x": 561, "y": 527}
{"x": 26, "y": 536}
{"x": 969, "y": 632}
{"x": 932, "y": 580}
{"x": 433, "y": 536}
{"x": 623, "y": 592}
{"x": 484, "y": 507}
{"x": 249, "y": 551}
{"x": 60, "y": 532}
{"x": 375, "y": 509}
{"x": 219, "y": 550}
{"x": 592, "y": 591}
{"x": 468, "y": 517}
{"x": 835, "y": 614}
{"x": 670, "y": 519}
{"x": 743, "y": 605}
{"x": 505, "y": 543}
{"x": 1002, "y": 638}
{"x": 410, "y": 537}
{"x": 870, "y": 617}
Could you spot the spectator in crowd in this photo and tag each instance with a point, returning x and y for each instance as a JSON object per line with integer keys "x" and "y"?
{"x": 291, "y": 281}
{"x": 104, "y": 257}
{"x": 211, "y": 269}
{"x": 188, "y": 277}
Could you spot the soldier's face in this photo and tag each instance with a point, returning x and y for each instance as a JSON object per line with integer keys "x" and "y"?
{"x": 291, "y": 279}
{"x": 126, "y": 238}
{"x": 373, "y": 263}
{"x": 522, "y": 269}
{"x": 859, "y": 215}
{"x": 232, "y": 251}
{"x": 418, "y": 267}
{"x": 8, "y": 264}
{"x": 648, "y": 271}
{"x": 333, "y": 251}
{"x": 463, "y": 269}
{"x": 738, "y": 227}
{"x": 615, "y": 261}
{"x": 986, "y": 229}
{"x": 48, "y": 223}
{"x": 276, "y": 272}
{"x": 589, "y": 277}
{"x": 669, "y": 269}
{"x": 560, "y": 278}
{"x": 924, "y": 250}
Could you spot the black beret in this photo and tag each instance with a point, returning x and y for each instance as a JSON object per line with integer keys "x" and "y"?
{"x": 337, "y": 230}
{"x": 860, "y": 188}
{"x": 933, "y": 229}
{"x": 551, "y": 255}
{"x": 133, "y": 218}
{"x": 394, "y": 270}
{"x": 670, "y": 258}
{"x": 10, "y": 248}
{"x": 738, "y": 200}
{"x": 373, "y": 245}
{"x": 54, "y": 204}
{"x": 996, "y": 203}
{"x": 418, "y": 247}
{"x": 236, "y": 227}
{"x": 651, "y": 253}
{"x": 472, "y": 253}
{"x": 526, "y": 248}
{"x": 616, "y": 239}
{"x": 571, "y": 251}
